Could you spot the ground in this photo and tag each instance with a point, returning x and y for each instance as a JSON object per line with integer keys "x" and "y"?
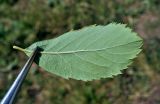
{"x": 24, "y": 22}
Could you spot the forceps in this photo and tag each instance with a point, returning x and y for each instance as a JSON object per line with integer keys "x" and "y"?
{"x": 13, "y": 90}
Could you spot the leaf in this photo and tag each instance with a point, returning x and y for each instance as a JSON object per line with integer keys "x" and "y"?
{"x": 93, "y": 52}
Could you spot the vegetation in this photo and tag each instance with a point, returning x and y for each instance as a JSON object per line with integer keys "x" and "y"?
{"x": 93, "y": 52}
{"x": 23, "y": 22}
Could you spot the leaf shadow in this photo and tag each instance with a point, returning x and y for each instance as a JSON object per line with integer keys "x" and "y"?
{"x": 38, "y": 56}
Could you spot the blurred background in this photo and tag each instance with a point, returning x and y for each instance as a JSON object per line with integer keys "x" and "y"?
{"x": 23, "y": 22}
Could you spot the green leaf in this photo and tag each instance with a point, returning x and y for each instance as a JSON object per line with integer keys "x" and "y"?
{"x": 93, "y": 52}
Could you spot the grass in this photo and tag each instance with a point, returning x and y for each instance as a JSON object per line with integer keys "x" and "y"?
{"x": 24, "y": 22}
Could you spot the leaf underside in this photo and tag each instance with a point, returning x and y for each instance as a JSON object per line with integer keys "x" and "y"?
{"x": 93, "y": 52}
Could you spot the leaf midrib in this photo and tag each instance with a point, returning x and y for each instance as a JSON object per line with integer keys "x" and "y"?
{"x": 71, "y": 52}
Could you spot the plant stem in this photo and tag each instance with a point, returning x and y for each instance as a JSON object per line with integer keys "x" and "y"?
{"x": 21, "y": 49}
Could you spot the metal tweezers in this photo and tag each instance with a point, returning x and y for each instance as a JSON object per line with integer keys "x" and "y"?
{"x": 13, "y": 90}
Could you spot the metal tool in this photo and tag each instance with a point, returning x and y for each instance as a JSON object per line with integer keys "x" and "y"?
{"x": 13, "y": 90}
